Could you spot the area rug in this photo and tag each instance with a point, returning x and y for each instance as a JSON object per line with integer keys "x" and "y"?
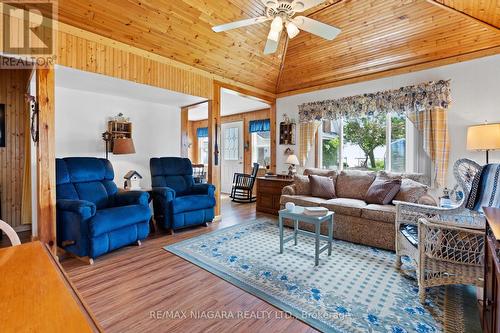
{"x": 356, "y": 289}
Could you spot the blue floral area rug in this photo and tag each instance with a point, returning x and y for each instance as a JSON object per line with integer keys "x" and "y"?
{"x": 356, "y": 289}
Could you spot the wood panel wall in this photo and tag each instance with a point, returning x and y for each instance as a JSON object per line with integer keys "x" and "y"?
{"x": 246, "y": 118}
{"x": 13, "y": 86}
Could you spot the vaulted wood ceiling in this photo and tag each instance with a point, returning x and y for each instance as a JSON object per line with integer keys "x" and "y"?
{"x": 377, "y": 36}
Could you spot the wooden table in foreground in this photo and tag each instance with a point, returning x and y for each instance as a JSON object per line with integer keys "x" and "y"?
{"x": 269, "y": 193}
{"x": 37, "y": 296}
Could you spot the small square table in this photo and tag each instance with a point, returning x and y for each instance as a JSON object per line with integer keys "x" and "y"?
{"x": 297, "y": 214}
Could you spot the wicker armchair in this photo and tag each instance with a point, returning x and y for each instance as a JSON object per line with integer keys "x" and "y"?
{"x": 448, "y": 255}
{"x": 408, "y": 224}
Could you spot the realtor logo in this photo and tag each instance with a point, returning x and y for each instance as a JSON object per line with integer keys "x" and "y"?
{"x": 28, "y": 34}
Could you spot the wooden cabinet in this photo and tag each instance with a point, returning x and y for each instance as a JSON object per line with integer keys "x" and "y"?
{"x": 491, "y": 303}
{"x": 119, "y": 129}
{"x": 269, "y": 193}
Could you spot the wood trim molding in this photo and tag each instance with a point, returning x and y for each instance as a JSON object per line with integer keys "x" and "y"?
{"x": 214, "y": 136}
{"x": 397, "y": 71}
{"x": 46, "y": 158}
{"x": 184, "y": 132}
{"x": 470, "y": 17}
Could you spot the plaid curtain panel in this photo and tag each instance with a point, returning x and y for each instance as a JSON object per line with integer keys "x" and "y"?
{"x": 433, "y": 124}
{"x": 307, "y": 134}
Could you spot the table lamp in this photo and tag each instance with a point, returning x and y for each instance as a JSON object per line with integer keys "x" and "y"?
{"x": 484, "y": 137}
{"x": 293, "y": 161}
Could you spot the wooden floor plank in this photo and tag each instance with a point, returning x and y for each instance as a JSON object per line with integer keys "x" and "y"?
{"x": 123, "y": 288}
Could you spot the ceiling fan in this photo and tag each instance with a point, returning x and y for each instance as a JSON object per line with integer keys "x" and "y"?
{"x": 281, "y": 13}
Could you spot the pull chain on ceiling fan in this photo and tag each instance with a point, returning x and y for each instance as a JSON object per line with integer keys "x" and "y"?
{"x": 281, "y": 13}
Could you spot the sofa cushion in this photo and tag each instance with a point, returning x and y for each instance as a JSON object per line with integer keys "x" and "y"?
{"x": 189, "y": 203}
{"x": 302, "y": 185}
{"x": 383, "y": 213}
{"x": 418, "y": 177}
{"x": 321, "y": 172}
{"x": 302, "y": 200}
{"x": 345, "y": 206}
{"x": 383, "y": 190}
{"x": 322, "y": 187}
{"x": 410, "y": 191}
{"x": 354, "y": 184}
{"x": 107, "y": 220}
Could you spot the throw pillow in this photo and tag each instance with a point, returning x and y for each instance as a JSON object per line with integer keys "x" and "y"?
{"x": 322, "y": 187}
{"x": 410, "y": 191}
{"x": 302, "y": 186}
{"x": 383, "y": 190}
{"x": 353, "y": 184}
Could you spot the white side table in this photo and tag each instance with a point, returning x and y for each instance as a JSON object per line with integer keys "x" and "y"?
{"x": 298, "y": 215}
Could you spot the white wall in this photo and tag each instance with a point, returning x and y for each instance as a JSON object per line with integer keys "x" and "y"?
{"x": 82, "y": 117}
{"x": 475, "y": 89}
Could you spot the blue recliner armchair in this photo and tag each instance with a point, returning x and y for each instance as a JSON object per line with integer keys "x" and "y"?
{"x": 93, "y": 218}
{"x": 178, "y": 202}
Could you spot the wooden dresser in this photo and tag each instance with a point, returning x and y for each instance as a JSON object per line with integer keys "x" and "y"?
{"x": 491, "y": 303}
{"x": 37, "y": 296}
{"x": 269, "y": 193}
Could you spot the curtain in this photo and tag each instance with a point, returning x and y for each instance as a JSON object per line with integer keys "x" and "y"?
{"x": 307, "y": 139}
{"x": 433, "y": 124}
{"x": 263, "y": 125}
{"x": 425, "y": 104}
{"x": 202, "y": 132}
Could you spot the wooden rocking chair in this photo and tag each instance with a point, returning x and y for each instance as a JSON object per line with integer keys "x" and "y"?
{"x": 242, "y": 190}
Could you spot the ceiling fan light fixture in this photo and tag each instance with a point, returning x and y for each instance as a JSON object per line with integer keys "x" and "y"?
{"x": 271, "y": 3}
{"x": 292, "y": 30}
{"x": 277, "y": 24}
{"x": 274, "y": 35}
{"x": 298, "y": 6}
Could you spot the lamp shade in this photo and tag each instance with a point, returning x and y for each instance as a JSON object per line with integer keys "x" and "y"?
{"x": 293, "y": 160}
{"x": 122, "y": 146}
{"x": 483, "y": 137}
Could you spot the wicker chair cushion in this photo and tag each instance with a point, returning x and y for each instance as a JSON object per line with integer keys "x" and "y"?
{"x": 410, "y": 232}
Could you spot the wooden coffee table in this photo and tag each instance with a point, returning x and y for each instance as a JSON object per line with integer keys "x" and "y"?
{"x": 297, "y": 214}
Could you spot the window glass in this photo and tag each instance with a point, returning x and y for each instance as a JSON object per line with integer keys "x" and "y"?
{"x": 203, "y": 147}
{"x": 261, "y": 148}
{"x": 365, "y": 142}
{"x": 330, "y": 140}
{"x": 398, "y": 143}
{"x": 231, "y": 144}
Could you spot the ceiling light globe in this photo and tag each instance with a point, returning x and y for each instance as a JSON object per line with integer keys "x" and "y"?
{"x": 274, "y": 35}
{"x": 292, "y": 30}
{"x": 277, "y": 24}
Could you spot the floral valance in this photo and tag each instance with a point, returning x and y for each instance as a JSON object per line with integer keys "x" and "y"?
{"x": 406, "y": 100}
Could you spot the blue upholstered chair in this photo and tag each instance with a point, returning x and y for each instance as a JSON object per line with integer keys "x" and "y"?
{"x": 93, "y": 218}
{"x": 177, "y": 201}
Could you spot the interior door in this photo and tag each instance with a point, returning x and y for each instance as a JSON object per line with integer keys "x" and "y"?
{"x": 232, "y": 153}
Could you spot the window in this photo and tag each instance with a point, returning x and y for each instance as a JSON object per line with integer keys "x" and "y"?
{"x": 261, "y": 148}
{"x": 231, "y": 144}
{"x": 203, "y": 150}
{"x": 367, "y": 143}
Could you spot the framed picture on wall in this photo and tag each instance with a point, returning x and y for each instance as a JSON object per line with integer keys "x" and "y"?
{"x": 2, "y": 125}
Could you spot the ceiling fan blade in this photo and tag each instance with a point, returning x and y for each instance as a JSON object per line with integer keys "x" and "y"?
{"x": 239, "y": 24}
{"x": 316, "y": 28}
{"x": 272, "y": 45}
{"x": 303, "y": 5}
{"x": 270, "y": 3}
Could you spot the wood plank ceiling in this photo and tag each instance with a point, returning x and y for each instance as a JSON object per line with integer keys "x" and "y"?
{"x": 377, "y": 36}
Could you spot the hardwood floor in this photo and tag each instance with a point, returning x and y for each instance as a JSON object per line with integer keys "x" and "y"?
{"x": 125, "y": 287}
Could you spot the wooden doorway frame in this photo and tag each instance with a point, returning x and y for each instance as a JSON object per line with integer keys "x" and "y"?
{"x": 214, "y": 133}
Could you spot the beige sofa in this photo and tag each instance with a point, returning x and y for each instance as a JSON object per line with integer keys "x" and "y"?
{"x": 355, "y": 220}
